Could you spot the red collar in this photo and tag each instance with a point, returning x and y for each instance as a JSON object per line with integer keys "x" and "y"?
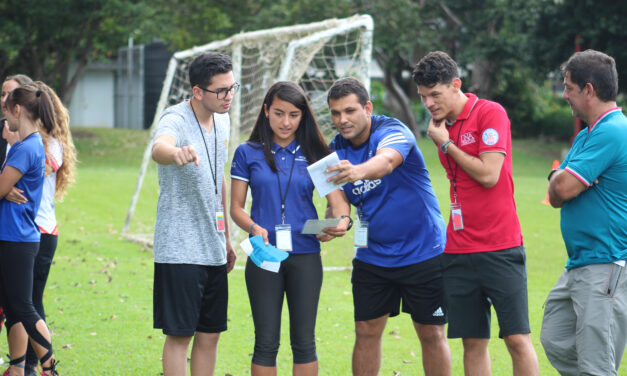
{"x": 468, "y": 107}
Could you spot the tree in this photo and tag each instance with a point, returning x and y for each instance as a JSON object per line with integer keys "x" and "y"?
{"x": 54, "y": 41}
{"x": 599, "y": 24}
{"x": 183, "y": 23}
{"x": 488, "y": 39}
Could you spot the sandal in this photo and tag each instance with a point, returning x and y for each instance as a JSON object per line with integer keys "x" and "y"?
{"x": 52, "y": 369}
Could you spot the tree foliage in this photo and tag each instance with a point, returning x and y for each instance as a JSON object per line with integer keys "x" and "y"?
{"x": 504, "y": 47}
{"x": 599, "y": 23}
{"x": 54, "y": 41}
{"x": 183, "y": 24}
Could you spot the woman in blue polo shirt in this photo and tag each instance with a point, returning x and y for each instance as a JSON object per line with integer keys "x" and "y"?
{"x": 24, "y": 169}
{"x": 273, "y": 162}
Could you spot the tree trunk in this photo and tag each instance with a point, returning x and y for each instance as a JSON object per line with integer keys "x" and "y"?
{"x": 483, "y": 69}
{"x": 397, "y": 102}
{"x": 482, "y": 78}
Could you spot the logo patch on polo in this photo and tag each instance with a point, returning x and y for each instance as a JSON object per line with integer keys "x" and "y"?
{"x": 363, "y": 186}
{"x": 490, "y": 136}
{"x": 467, "y": 138}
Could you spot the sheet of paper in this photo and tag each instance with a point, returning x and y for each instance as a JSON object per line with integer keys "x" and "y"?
{"x": 319, "y": 176}
{"x": 315, "y": 226}
{"x": 246, "y": 246}
{"x": 270, "y": 266}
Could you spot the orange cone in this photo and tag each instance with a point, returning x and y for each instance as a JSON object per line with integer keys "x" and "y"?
{"x": 556, "y": 165}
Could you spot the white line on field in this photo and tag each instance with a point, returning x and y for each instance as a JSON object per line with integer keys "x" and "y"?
{"x": 326, "y": 268}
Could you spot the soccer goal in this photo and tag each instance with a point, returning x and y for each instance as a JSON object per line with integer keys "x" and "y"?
{"x": 313, "y": 55}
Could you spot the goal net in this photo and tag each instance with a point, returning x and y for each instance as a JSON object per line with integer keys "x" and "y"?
{"x": 313, "y": 55}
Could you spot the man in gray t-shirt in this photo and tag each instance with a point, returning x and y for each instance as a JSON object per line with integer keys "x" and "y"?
{"x": 187, "y": 200}
{"x": 192, "y": 249}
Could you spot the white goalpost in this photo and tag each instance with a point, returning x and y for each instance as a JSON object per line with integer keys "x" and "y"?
{"x": 313, "y": 55}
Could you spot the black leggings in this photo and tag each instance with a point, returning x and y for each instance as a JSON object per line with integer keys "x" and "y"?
{"x": 300, "y": 280}
{"x": 16, "y": 276}
{"x": 43, "y": 261}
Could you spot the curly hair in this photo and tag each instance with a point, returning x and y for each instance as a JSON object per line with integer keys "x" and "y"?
{"x": 435, "y": 68}
{"x": 61, "y": 132}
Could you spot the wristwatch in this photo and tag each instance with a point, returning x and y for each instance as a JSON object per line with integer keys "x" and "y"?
{"x": 350, "y": 221}
{"x": 444, "y": 146}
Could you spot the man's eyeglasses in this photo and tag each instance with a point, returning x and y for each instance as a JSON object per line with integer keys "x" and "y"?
{"x": 222, "y": 93}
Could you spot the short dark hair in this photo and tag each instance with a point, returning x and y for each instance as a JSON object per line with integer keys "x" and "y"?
{"x": 206, "y": 65}
{"x": 435, "y": 68}
{"x": 596, "y": 68}
{"x": 347, "y": 86}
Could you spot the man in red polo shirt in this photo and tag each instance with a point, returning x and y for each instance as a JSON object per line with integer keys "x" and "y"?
{"x": 484, "y": 258}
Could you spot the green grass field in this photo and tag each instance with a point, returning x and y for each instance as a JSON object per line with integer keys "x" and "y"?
{"x": 99, "y": 294}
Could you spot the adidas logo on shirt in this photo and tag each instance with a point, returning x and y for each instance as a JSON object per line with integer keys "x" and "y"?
{"x": 363, "y": 186}
{"x": 438, "y": 312}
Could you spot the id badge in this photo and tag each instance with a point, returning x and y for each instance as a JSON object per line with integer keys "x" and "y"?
{"x": 456, "y": 216}
{"x": 283, "y": 237}
{"x": 361, "y": 235}
{"x": 220, "y": 225}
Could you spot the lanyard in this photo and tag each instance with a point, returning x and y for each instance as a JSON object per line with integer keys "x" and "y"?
{"x": 454, "y": 173}
{"x": 214, "y": 174}
{"x": 287, "y": 188}
{"x": 361, "y": 198}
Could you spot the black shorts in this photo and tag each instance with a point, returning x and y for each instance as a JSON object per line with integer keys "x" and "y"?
{"x": 475, "y": 281}
{"x": 190, "y": 298}
{"x": 378, "y": 291}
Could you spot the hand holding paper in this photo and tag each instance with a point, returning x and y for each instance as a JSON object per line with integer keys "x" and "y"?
{"x": 315, "y": 226}
{"x": 319, "y": 176}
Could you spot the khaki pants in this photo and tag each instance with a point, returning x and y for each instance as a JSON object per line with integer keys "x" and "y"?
{"x": 584, "y": 329}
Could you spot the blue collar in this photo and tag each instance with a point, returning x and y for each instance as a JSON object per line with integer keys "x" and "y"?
{"x": 292, "y": 147}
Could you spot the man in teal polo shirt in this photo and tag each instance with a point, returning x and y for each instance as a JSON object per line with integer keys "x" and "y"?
{"x": 584, "y": 330}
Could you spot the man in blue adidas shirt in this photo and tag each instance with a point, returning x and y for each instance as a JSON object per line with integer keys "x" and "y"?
{"x": 584, "y": 329}
{"x": 400, "y": 236}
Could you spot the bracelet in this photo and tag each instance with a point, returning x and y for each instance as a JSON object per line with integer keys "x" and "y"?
{"x": 444, "y": 146}
{"x": 551, "y": 174}
{"x": 251, "y": 227}
{"x": 350, "y": 221}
